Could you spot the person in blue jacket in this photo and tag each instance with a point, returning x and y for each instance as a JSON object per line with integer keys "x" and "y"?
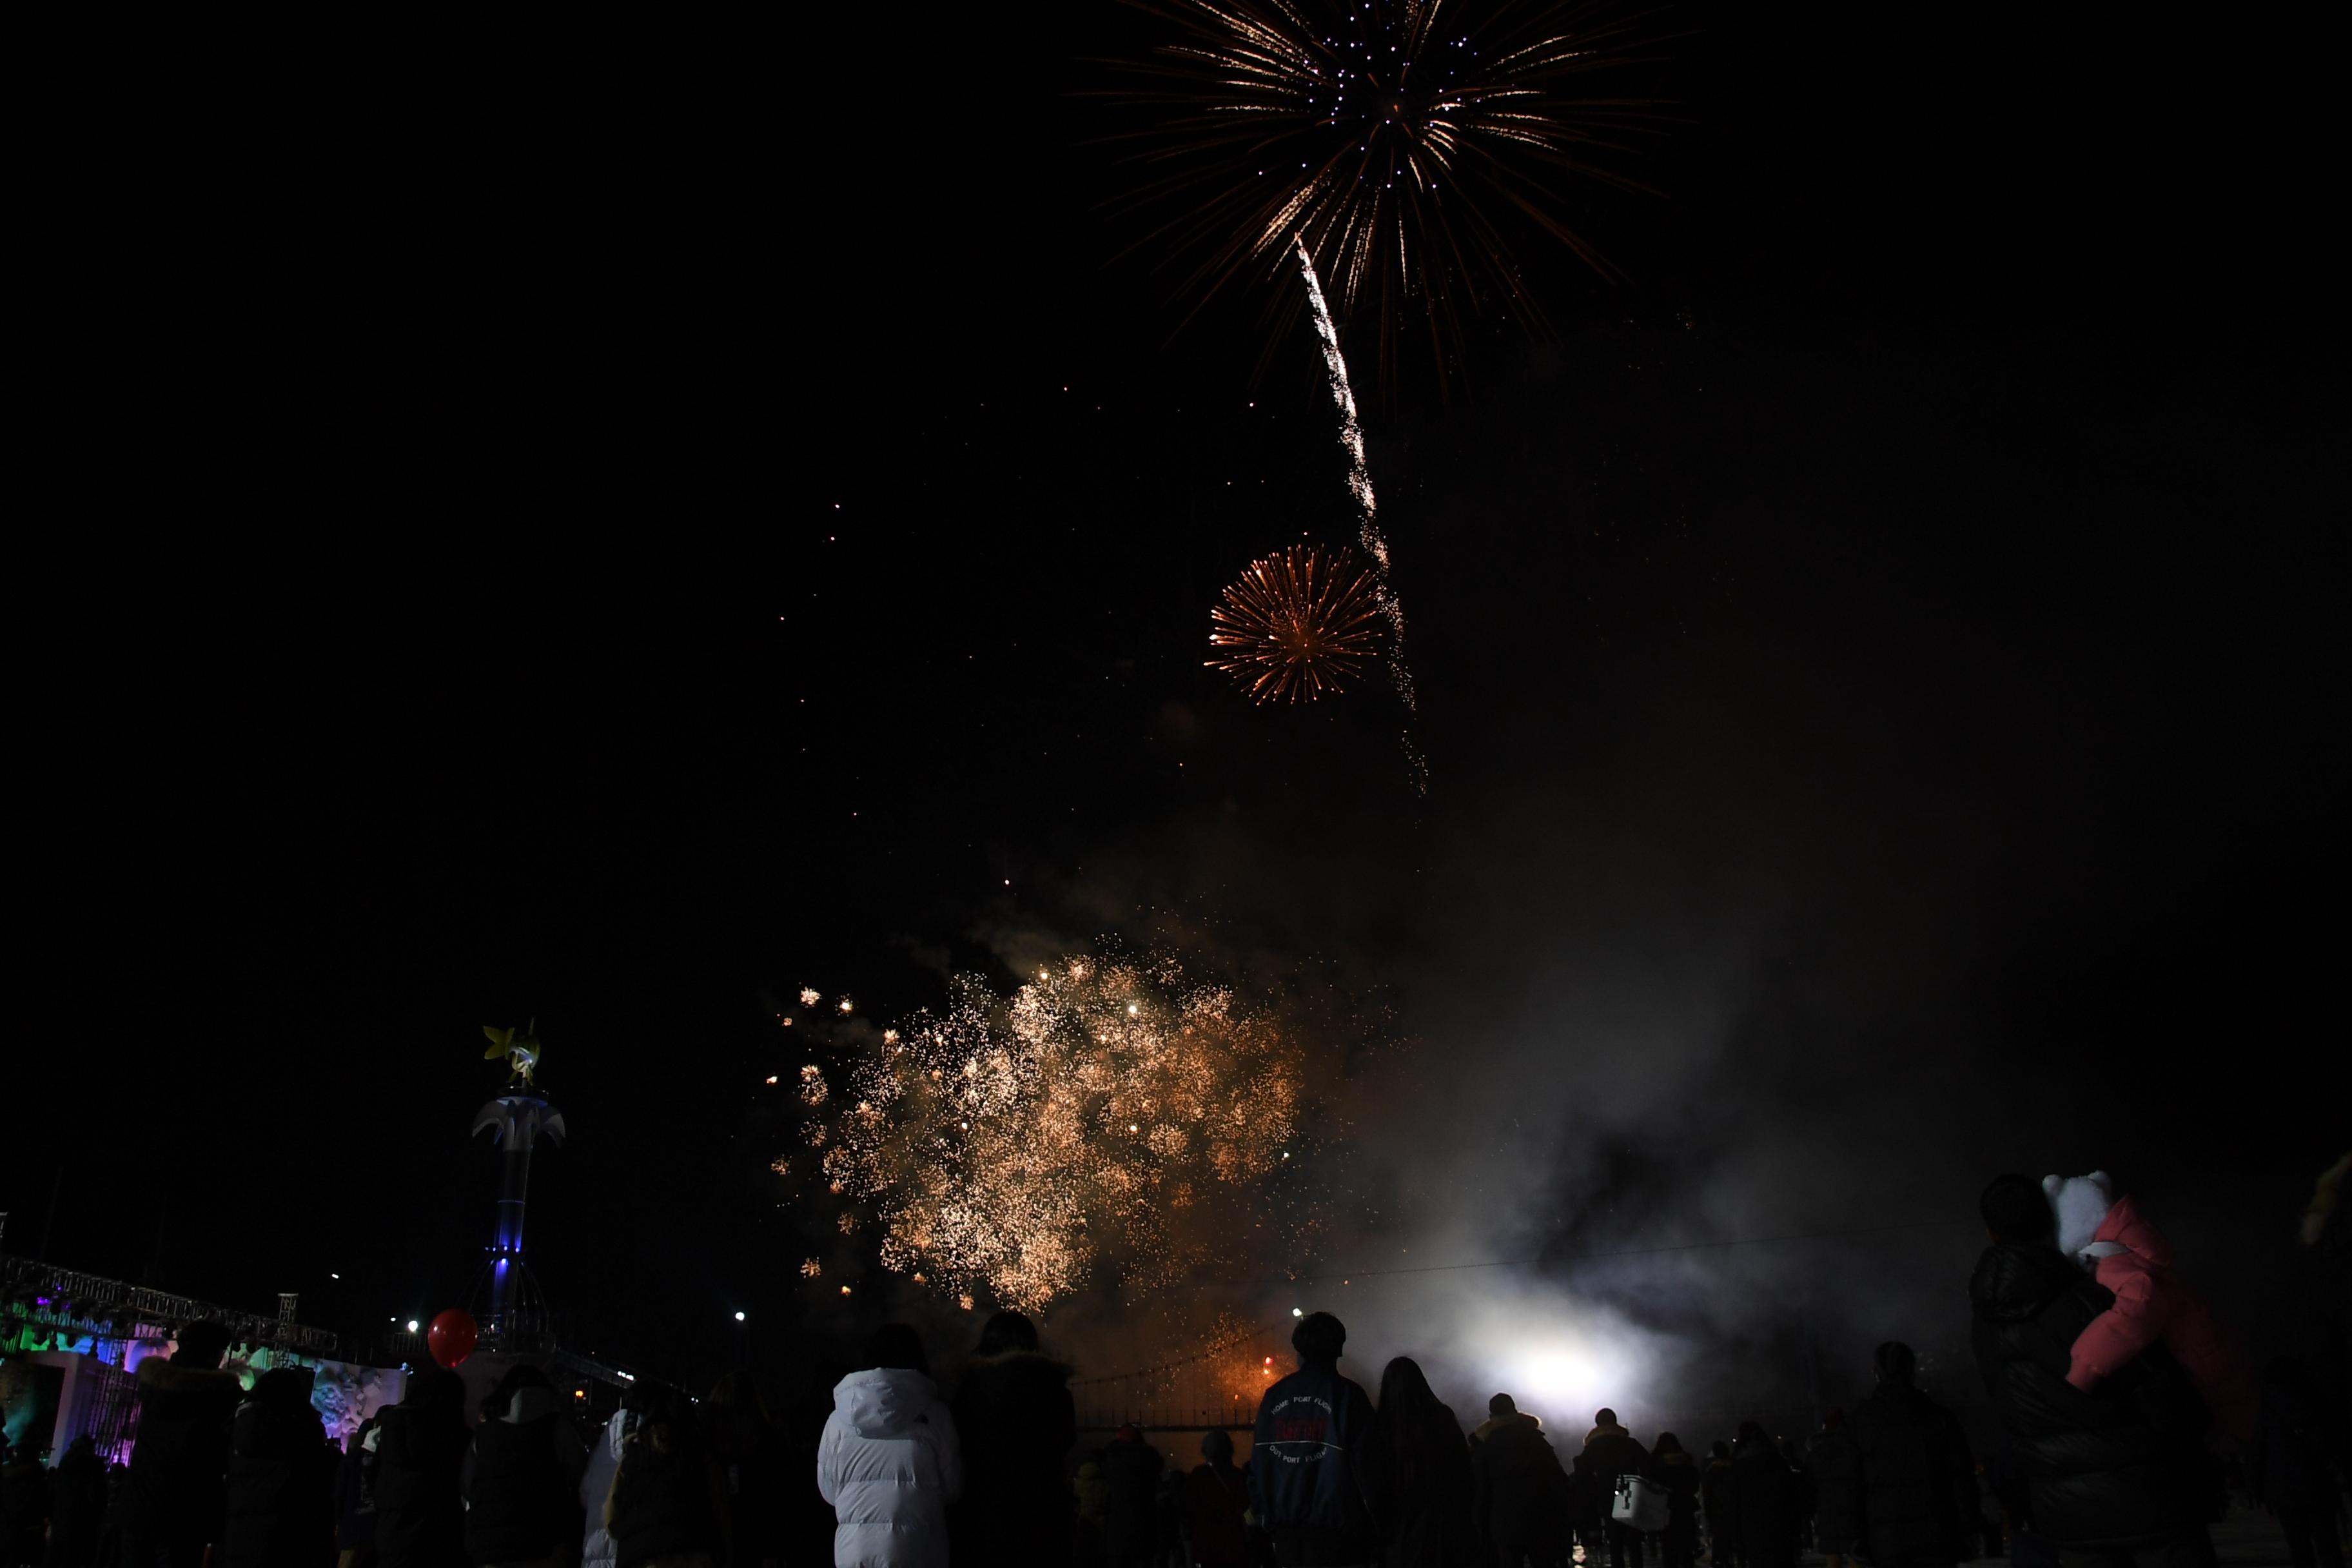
{"x": 1307, "y": 1466}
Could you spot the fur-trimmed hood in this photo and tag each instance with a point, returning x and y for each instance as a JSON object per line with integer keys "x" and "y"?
{"x": 1487, "y": 1429}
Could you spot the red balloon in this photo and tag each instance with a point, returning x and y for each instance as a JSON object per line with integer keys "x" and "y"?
{"x": 450, "y": 1337}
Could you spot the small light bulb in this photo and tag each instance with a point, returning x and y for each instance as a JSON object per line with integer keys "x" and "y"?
{"x": 1297, "y": 1312}
{"x": 412, "y": 1325}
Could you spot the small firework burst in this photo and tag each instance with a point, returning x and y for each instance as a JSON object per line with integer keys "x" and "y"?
{"x": 812, "y": 1268}
{"x": 1298, "y": 624}
{"x": 808, "y": 997}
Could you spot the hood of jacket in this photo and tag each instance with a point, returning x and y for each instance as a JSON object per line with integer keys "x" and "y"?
{"x": 529, "y": 1405}
{"x": 1024, "y": 1370}
{"x": 883, "y": 1401}
{"x": 1513, "y": 1423}
{"x": 2012, "y": 1283}
{"x": 172, "y": 1380}
{"x": 1611, "y": 1430}
{"x": 2125, "y": 1227}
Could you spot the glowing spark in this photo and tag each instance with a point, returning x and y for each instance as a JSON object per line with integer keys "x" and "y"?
{"x": 808, "y": 997}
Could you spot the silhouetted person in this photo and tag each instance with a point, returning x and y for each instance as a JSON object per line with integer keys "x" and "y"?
{"x": 355, "y": 1496}
{"x": 1017, "y": 1424}
{"x": 1216, "y": 1507}
{"x": 888, "y": 1462}
{"x": 1763, "y": 1501}
{"x": 1131, "y": 1473}
{"x": 1306, "y": 1455}
{"x": 2114, "y": 1475}
{"x": 1718, "y": 1499}
{"x": 1672, "y": 1468}
{"x": 1918, "y": 1482}
{"x": 1611, "y": 1452}
{"x": 669, "y": 1498}
{"x": 754, "y": 1466}
{"x": 281, "y": 1478}
{"x": 1837, "y": 1491}
{"x": 2290, "y": 1469}
{"x": 1520, "y": 1496}
{"x": 420, "y": 1510}
{"x": 523, "y": 1474}
{"x": 1803, "y": 1499}
{"x": 175, "y": 1496}
{"x": 24, "y": 1506}
{"x": 1417, "y": 1473}
{"x": 76, "y": 1504}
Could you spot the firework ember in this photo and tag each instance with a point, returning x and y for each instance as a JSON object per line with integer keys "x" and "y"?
{"x": 1297, "y": 625}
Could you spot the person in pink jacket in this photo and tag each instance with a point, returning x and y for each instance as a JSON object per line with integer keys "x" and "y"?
{"x": 2109, "y": 1237}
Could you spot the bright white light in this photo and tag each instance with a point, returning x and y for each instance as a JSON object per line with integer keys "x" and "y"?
{"x": 739, "y": 1317}
{"x": 412, "y": 1325}
{"x": 334, "y": 1277}
{"x": 1298, "y": 1312}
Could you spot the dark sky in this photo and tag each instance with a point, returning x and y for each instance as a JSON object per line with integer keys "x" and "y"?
{"x": 608, "y": 521}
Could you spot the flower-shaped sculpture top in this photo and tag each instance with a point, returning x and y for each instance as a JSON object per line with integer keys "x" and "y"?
{"x": 521, "y": 1049}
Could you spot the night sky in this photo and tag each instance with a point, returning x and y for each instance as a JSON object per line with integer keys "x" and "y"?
{"x": 613, "y": 521}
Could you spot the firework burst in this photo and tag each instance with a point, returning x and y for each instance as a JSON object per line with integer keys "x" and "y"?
{"x": 1402, "y": 143}
{"x": 1110, "y": 1115}
{"x": 1299, "y": 624}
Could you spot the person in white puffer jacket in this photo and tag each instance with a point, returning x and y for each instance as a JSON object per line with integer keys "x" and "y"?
{"x": 888, "y": 1462}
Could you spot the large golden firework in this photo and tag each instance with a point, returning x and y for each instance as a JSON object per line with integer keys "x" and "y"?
{"x": 1299, "y": 624}
{"x": 1108, "y": 1114}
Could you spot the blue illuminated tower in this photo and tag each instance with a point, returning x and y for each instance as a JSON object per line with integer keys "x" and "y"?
{"x": 507, "y": 1301}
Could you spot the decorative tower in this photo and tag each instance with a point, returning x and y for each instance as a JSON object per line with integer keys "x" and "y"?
{"x": 507, "y": 1301}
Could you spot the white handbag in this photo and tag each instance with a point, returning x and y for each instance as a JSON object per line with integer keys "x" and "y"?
{"x": 1640, "y": 1503}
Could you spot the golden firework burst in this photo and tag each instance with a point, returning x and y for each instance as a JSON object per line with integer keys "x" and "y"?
{"x": 1299, "y": 624}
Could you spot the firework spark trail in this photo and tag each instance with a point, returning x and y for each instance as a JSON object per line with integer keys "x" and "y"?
{"x": 1367, "y": 526}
